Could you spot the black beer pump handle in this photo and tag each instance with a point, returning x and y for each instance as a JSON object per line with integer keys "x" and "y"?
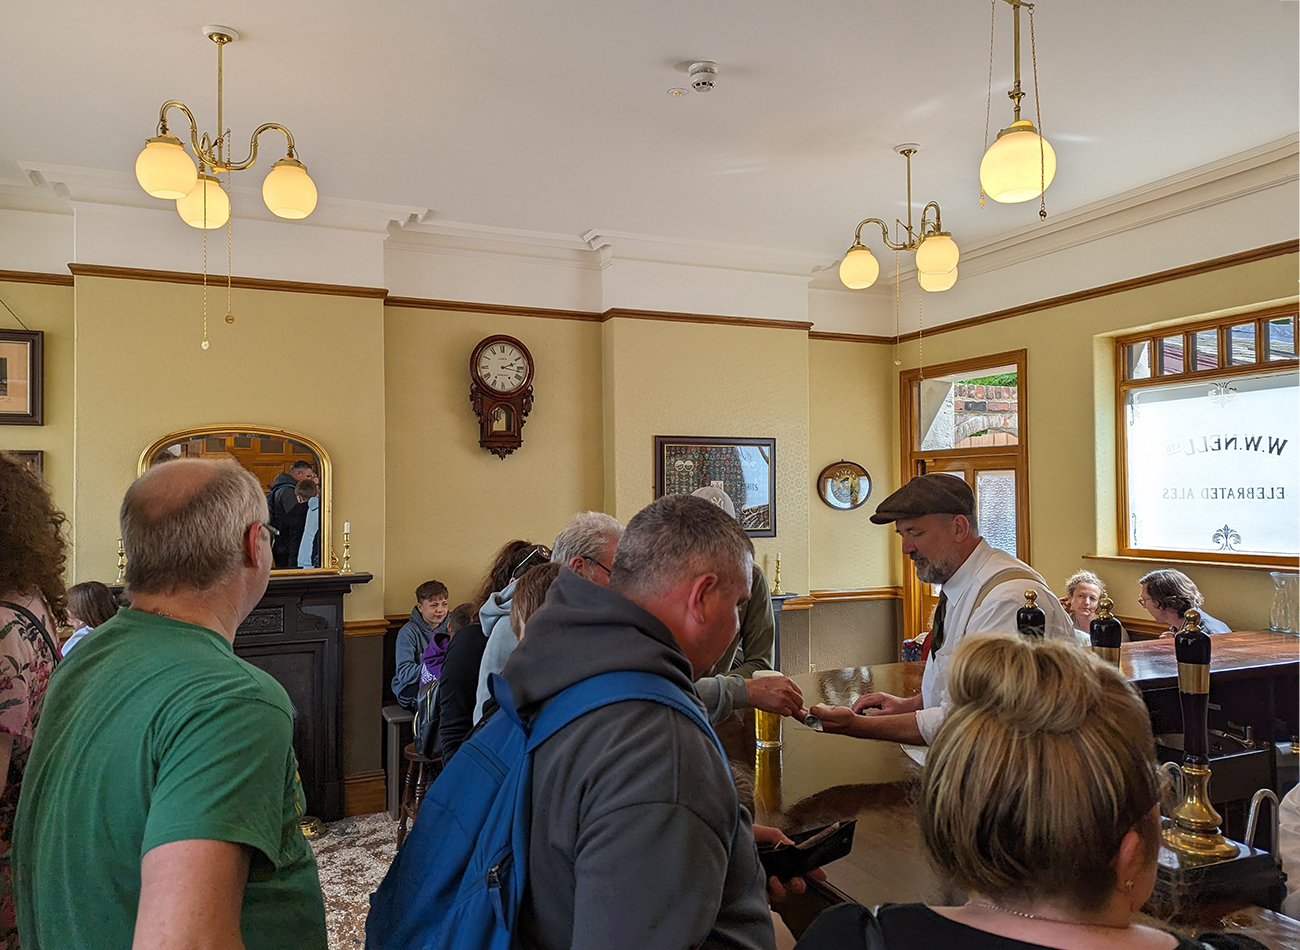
{"x": 1105, "y": 630}
{"x": 1192, "y": 648}
{"x": 1030, "y": 619}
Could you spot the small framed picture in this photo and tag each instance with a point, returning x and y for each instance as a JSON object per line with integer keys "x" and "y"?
{"x": 22, "y": 377}
{"x": 844, "y": 485}
{"x": 743, "y": 468}
{"x": 32, "y": 458}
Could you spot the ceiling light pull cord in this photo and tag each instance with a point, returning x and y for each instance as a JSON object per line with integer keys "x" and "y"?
{"x": 920, "y": 335}
{"x": 988, "y": 102}
{"x": 204, "y": 185}
{"x": 898, "y": 313}
{"x": 230, "y": 223}
{"x": 1038, "y": 114}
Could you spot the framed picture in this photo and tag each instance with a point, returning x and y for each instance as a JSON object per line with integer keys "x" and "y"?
{"x": 33, "y": 459}
{"x": 744, "y": 468}
{"x": 844, "y": 485}
{"x": 22, "y": 377}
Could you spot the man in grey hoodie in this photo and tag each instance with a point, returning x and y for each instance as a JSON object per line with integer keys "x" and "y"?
{"x": 637, "y": 839}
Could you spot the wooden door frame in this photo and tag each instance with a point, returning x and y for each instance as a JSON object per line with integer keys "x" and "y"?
{"x": 911, "y": 454}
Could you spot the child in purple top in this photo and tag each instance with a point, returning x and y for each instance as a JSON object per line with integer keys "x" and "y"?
{"x": 436, "y": 651}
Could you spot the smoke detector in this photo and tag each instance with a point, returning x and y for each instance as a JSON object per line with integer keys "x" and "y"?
{"x": 704, "y": 76}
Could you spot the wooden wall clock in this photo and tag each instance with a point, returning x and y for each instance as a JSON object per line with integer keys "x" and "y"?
{"x": 501, "y": 392}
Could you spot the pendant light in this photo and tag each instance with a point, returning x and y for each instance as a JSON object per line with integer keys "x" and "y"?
{"x": 1020, "y": 164}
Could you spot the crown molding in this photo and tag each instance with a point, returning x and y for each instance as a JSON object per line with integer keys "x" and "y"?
{"x": 464, "y": 306}
{"x": 718, "y": 319}
{"x": 627, "y": 245}
{"x": 32, "y": 277}
{"x": 98, "y": 186}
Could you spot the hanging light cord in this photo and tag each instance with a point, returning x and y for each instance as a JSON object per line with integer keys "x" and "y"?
{"x": 898, "y": 314}
{"x": 920, "y": 333}
{"x": 988, "y": 102}
{"x": 205, "y": 344}
{"x": 1038, "y": 114}
{"x": 230, "y": 223}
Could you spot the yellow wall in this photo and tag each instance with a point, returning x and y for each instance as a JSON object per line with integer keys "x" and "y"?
{"x": 851, "y": 395}
{"x": 452, "y": 504}
{"x": 308, "y": 362}
{"x": 1072, "y": 438}
{"x": 49, "y": 309}
{"x": 669, "y": 378}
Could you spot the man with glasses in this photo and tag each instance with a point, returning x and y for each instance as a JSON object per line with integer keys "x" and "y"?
{"x": 161, "y": 803}
{"x": 585, "y": 546}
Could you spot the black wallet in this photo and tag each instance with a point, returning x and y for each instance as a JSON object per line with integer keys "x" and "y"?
{"x": 811, "y": 849}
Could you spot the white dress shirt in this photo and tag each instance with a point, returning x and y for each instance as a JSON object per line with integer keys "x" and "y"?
{"x": 997, "y": 614}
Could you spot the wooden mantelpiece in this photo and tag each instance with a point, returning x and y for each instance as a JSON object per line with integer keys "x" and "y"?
{"x": 295, "y": 633}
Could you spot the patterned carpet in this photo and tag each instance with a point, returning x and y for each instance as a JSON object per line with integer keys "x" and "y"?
{"x": 353, "y": 857}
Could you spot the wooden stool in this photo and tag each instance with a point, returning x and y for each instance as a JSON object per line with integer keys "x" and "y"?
{"x": 420, "y": 773}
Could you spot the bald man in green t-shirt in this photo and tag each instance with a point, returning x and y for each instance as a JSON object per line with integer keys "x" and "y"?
{"x": 161, "y": 802}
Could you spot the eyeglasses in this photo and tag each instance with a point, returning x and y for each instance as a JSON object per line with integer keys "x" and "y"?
{"x": 598, "y": 564}
{"x": 271, "y": 530}
{"x": 541, "y": 550}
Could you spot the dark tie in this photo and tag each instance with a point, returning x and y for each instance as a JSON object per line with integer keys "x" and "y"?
{"x": 936, "y": 632}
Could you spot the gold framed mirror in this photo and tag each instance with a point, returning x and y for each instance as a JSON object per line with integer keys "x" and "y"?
{"x": 294, "y": 472}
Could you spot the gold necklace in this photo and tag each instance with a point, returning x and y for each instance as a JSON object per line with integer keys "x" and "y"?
{"x": 1049, "y": 920}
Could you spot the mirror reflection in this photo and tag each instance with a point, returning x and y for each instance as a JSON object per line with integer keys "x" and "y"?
{"x": 293, "y": 471}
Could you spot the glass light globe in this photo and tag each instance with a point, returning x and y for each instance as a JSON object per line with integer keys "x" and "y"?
{"x": 936, "y": 282}
{"x": 190, "y": 208}
{"x": 164, "y": 170}
{"x": 859, "y": 269}
{"x": 1013, "y": 169}
{"x": 937, "y": 254}
{"x": 288, "y": 190}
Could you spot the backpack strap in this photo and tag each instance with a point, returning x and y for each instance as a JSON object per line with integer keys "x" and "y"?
{"x": 595, "y": 692}
{"x": 1001, "y": 577}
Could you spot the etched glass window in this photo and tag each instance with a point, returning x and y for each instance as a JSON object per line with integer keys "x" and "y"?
{"x": 1212, "y": 465}
{"x": 995, "y": 499}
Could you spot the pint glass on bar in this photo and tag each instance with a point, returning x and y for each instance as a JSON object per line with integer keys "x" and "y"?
{"x": 767, "y": 725}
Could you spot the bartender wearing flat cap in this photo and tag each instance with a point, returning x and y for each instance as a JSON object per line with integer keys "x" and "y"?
{"x": 983, "y": 587}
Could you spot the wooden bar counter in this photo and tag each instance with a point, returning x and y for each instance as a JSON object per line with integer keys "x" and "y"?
{"x": 815, "y": 779}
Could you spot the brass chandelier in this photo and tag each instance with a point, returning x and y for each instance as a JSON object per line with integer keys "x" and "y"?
{"x": 165, "y": 170}
{"x": 936, "y": 251}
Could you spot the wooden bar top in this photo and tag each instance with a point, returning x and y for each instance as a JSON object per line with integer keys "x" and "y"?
{"x": 1240, "y": 655}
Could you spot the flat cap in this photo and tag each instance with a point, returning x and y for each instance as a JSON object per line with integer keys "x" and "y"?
{"x": 934, "y": 494}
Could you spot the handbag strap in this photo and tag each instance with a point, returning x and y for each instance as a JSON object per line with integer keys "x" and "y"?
{"x": 39, "y": 624}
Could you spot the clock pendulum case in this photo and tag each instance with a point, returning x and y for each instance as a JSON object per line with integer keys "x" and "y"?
{"x": 501, "y": 392}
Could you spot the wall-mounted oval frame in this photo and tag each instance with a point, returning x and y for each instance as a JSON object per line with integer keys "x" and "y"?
{"x": 840, "y": 485}
{"x": 260, "y": 463}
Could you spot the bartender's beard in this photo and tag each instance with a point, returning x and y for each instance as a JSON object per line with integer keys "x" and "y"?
{"x": 932, "y": 571}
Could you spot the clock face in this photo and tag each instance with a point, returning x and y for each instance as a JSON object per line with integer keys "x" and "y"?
{"x": 502, "y": 367}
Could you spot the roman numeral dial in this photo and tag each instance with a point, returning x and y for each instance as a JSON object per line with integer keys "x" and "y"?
{"x": 502, "y": 367}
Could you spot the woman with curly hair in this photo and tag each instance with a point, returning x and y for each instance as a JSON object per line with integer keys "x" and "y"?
{"x": 32, "y": 602}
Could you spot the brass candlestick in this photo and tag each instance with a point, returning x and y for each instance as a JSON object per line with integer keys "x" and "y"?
{"x": 121, "y": 562}
{"x": 347, "y": 552}
{"x": 776, "y": 578}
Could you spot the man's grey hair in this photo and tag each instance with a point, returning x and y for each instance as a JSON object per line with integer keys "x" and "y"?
{"x": 188, "y": 536}
{"x": 1172, "y": 590}
{"x": 586, "y": 535}
{"x": 677, "y": 538}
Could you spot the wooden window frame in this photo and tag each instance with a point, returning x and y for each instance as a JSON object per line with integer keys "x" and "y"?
{"x": 911, "y": 455}
{"x": 1124, "y": 385}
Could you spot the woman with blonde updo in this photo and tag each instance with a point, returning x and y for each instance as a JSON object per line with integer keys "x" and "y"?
{"x": 1039, "y": 799}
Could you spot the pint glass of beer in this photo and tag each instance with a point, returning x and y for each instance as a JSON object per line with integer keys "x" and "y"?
{"x": 767, "y": 725}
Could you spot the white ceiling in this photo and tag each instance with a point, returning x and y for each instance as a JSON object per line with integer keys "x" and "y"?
{"x": 554, "y": 116}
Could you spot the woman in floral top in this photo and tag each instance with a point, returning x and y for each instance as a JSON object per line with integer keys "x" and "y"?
{"x": 32, "y": 602}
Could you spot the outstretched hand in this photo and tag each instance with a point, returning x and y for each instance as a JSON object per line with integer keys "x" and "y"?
{"x": 775, "y": 694}
{"x": 884, "y": 703}
{"x": 835, "y": 719}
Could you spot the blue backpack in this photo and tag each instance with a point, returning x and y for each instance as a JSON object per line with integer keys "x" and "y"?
{"x": 458, "y": 880}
